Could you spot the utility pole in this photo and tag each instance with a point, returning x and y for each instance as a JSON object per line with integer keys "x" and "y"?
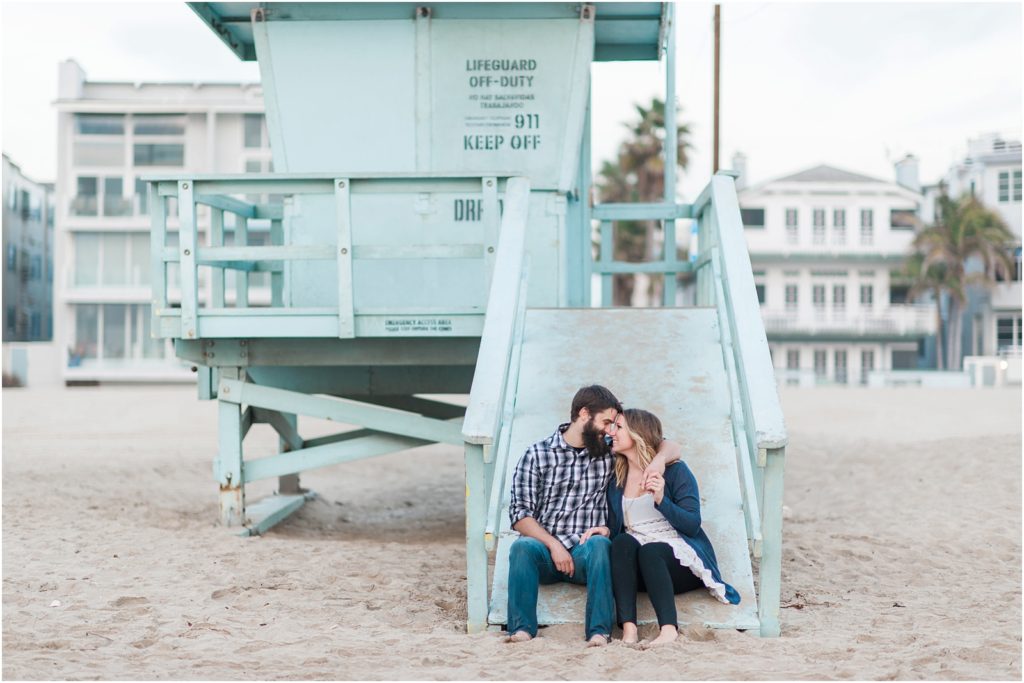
{"x": 718, "y": 49}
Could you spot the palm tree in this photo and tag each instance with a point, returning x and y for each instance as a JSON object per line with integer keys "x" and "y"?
{"x": 639, "y": 176}
{"x": 931, "y": 280}
{"x": 963, "y": 230}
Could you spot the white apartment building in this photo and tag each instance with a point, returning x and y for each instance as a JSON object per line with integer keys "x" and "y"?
{"x": 28, "y": 256}
{"x": 825, "y": 245}
{"x": 991, "y": 172}
{"x": 111, "y": 135}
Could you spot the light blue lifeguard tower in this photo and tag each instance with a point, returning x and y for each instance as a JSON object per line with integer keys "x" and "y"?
{"x": 430, "y": 233}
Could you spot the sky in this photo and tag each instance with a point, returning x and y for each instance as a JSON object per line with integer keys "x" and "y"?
{"x": 853, "y": 85}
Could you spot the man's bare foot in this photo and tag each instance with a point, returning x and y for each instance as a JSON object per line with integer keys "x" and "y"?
{"x": 518, "y": 637}
{"x": 629, "y": 634}
{"x": 668, "y": 635}
{"x": 598, "y": 640}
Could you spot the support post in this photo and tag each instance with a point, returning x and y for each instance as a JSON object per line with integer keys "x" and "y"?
{"x": 228, "y": 465}
{"x": 288, "y": 483}
{"x": 277, "y": 277}
{"x": 476, "y": 551}
{"x": 242, "y": 276}
{"x": 771, "y": 555}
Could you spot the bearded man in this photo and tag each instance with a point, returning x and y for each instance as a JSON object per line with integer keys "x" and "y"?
{"x": 559, "y": 508}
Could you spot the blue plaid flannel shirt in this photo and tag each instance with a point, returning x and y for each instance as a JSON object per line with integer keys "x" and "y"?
{"x": 563, "y": 488}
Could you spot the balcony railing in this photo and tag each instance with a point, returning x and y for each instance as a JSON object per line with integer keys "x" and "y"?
{"x": 900, "y": 320}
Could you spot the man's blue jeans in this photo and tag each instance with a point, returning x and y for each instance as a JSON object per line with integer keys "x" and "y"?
{"x": 530, "y": 564}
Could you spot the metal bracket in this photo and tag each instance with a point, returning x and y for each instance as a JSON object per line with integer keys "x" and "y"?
{"x": 221, "y": 352}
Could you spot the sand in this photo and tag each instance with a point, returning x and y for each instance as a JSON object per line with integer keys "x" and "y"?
{"x": 902, "y": 553}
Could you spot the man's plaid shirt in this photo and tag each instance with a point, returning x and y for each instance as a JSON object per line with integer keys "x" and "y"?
{"x": 563, "y": 488}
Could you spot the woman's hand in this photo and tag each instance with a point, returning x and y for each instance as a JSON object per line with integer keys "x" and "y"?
{"x": 595, "y": 531}
{"x": 656, "y": 485}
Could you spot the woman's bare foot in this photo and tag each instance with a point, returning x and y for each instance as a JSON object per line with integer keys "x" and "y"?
{"x": 668, "y": 635}
{"x": 598, "y": 640}
{"x": 518, "y": 637}
{"x": 629, "y": 634}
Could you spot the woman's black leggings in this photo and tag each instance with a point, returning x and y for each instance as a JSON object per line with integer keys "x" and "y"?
{"x": 651, "y": 567}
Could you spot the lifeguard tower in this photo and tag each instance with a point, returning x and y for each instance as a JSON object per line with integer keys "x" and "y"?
{"x": 429, "y": 231}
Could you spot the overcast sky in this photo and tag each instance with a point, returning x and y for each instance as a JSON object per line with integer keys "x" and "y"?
{"x": 849, "y": 84}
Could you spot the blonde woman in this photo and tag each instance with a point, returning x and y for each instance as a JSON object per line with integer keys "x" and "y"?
{"x": 657, "y": 542}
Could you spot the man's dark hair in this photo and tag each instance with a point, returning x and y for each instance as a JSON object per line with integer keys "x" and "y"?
{"x": 594, "y": 398}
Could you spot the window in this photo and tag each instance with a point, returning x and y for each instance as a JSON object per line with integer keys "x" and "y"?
{"x": 902, "y": 219}
{"x": 791, "y": 297}
{"x": 839, "y": 296}
{"x": 792, "y": 227}
{"x": 12, "y": 319}
{"x": 12, "y": 258}
{"x": 1016, "y": 186}
{"x": 752, "y": 218}
{"x": 818, "y": 225}
{"x": 36, "y": 270}
{"x": 99, "y": 140}
{"x": 760, "y": 292}
{"x": 114, "y": 204}
{"x": 253, "y": 131}
{"x": 820, "y": 363}
{"x": 99, "y": 124}
{"x": 114, "y": 247}
{"x": 87, "y": 259}
{"x": 1007, "y": 332}
{"x": 904, "y": 359}
{"x": 141, "y": 196}
{"x": 159, "y": 124}
{"x": 867, "y": 227}
{"x": 898, "y": 294}
{"x": 1004, "y": 186}
{"x": 87, "y": 331}
{"x": 159, "y": 154}
{"x": 840, "y": 358}
{"x": 114, "y": 330}
{"x": 867, "y": 364}
{"x": 86, "y": 201}
{"x": 867, "y": 295}
{"x": 793, "y": 359}
{"x": 818, "y": 296}
{"x": 839, "y": 226}
{"x": 35, "y": 330}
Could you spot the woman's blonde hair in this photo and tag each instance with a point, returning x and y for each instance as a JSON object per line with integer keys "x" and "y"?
{"x": 645, "y": 430}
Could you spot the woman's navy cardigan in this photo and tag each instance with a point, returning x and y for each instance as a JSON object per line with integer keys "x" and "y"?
{"x": 681, "y": 507}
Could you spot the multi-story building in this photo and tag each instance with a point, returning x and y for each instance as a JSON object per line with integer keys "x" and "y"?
{"x": 826, "y": 246}
{"x": 28, "y": 257}
{"x": 110, "y": 136}
{"x": 991, "y": 172}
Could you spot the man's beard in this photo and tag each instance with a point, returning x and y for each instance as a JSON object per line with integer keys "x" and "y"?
{"x": 593, "y": 440}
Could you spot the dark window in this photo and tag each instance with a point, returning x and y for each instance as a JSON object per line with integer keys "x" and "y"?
{"x": 818, "y": 295}
{"x": 839, "y": 296}
{"x": 904, "y": 360}
{"x": 154, "y": 154}
{"x": 760, "y": 293}
{"x": 1004, "y": 332}
{"x": 791, "y": 296}
{"x": 903, "y": 219}
{"x": 1004, "y": 186}
{"x": 820, "y": 363}
{"x": 867, "y": 364}
{"x": 1016, "y": 186}
{"x": 793, "y": 359}
{"x": 867, "y": 295}
{"x": 898, "y": 294}
{"x": 752, "y": 218}
{"x": 839, "y": 218}
{"x": 841, "y": 367}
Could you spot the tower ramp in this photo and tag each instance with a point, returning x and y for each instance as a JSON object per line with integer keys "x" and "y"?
{"x": 667, "y": 361}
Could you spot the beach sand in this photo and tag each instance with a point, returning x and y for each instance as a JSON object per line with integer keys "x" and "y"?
{"x": 902, "y": 553}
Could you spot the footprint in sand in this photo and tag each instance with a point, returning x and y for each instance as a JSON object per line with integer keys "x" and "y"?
{"x": 128, "y": 601}
{"x": 224, "y": 592}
